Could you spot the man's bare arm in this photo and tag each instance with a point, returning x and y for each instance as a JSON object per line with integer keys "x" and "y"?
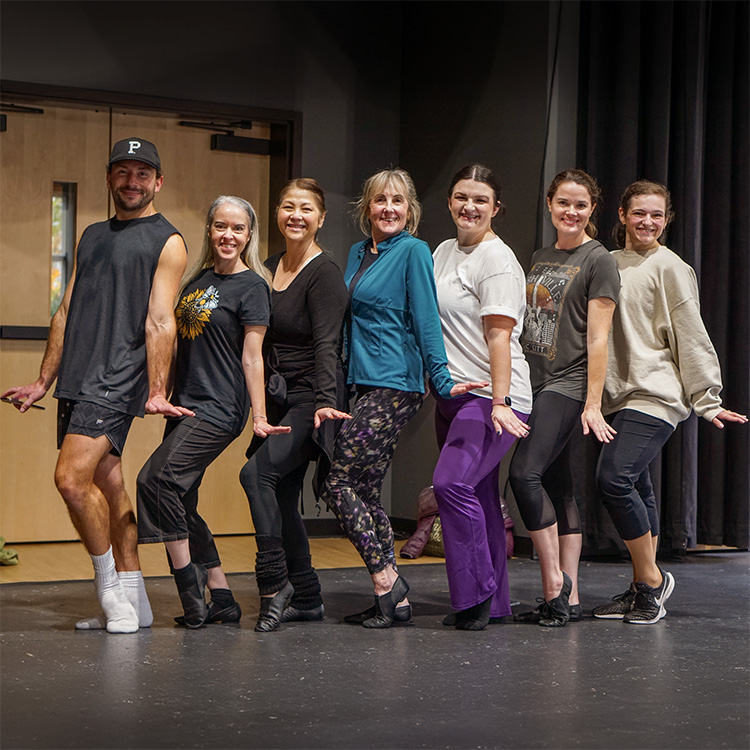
{"x": 161, "y": 327}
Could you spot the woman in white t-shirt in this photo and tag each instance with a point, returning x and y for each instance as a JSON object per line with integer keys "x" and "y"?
{"x": 481, "y": 300}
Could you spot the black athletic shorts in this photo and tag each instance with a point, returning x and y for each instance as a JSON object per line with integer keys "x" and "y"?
{"x": 92, "y": 420}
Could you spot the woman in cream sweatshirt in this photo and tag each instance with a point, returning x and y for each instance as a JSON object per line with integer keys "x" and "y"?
{"x": 661, "y": 366}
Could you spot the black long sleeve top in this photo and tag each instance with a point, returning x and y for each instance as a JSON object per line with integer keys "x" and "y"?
{"x": 304, "y": 335}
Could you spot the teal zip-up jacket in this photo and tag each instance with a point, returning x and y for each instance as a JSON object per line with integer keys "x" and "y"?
{"x": 394, "y": 333}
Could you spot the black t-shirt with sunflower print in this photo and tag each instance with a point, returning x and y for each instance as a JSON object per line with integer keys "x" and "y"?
{"x": 211, "y": 317}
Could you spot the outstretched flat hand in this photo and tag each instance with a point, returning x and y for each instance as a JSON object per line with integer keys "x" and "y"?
{"x": 460, "y": 388}
{"x": 505, "y": 419}
{"x": 593, "y": 421}
{"x": 728, "y": 416}
{"x": 160, "y": 405}
{"x": 262, "y": 429}
{"x": 25, "y": 395}
{"x": 328, "y": 412}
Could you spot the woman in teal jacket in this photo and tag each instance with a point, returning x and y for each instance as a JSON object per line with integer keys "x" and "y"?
{"x": 393, "y": 337}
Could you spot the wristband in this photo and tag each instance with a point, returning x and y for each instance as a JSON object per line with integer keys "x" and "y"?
{"x": 502, "y": 401}
{"x": 259, "y": 416}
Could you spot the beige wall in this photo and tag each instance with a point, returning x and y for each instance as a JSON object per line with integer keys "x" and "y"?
{"x": 72, "y": 145}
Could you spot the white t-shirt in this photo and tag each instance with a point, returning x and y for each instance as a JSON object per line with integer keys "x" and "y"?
{"x": 472, "y": 282}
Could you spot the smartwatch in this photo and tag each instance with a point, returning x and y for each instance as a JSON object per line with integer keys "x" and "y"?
{"x": 502, "y": 401}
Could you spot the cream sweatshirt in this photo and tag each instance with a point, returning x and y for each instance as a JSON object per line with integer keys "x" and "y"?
{"x": 661, "y": 360}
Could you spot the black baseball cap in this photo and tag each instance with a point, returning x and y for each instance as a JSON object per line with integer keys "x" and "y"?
{"x": 137, "y": 149}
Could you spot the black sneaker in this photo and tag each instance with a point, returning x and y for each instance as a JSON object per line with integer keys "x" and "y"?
{"x": 667, "y": 587}
{"x": 618, "y": 607}
{"x": 648, "y": 605}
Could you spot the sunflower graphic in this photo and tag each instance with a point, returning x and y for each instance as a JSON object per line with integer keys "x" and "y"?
{"x": 194, "y": 311}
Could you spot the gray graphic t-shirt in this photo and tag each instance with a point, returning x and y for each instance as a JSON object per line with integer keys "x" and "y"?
{"x": 558, "y": 289}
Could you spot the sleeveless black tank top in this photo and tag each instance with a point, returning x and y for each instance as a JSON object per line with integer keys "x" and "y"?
{"x": 104, "y": 351}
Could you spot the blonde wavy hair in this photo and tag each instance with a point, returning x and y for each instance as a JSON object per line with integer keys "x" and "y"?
{"x": 398, "y": 180}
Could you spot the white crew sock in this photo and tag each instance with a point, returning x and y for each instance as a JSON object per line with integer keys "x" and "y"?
{"x": 135, "y": 589}
{"x": 119, "y": 612}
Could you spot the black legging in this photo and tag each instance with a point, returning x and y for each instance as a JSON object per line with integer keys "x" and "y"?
{"x": 623, "y": 475}
{"x": 540, "y": 469}
{"x": 274, "y": 475}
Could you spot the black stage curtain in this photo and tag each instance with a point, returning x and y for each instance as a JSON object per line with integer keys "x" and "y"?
{"x": 663, "y": 95}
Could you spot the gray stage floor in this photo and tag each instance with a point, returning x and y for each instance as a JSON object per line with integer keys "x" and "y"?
{"x": 682, "y": 683}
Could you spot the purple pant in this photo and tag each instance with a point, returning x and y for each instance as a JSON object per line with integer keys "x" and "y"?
{"x": 468, "y": 497}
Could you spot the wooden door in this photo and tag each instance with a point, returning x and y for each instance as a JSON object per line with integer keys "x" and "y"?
{"x": 67, "y": 144}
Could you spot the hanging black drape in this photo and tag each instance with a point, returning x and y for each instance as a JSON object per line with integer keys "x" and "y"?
{"x": 663, "y": 95}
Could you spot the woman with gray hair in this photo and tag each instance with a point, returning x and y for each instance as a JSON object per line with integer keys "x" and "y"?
{"x": 222, "y": 316}
{"x": 393, "y": 337}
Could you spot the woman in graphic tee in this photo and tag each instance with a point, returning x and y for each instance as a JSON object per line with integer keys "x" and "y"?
{"x": 222, "y": 317}
{"x": 571, "y": 293}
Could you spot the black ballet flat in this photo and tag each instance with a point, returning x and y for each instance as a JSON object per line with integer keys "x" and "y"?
{"x": 451, "y": 619}
{"x": 272, "y": 608}
{"x": 400, "y": 614}
{"x": 293, "y": 614}
{"x": 385, "y": 605}
{"x": 558, "y": 609}
{"x": 474, "y": 618}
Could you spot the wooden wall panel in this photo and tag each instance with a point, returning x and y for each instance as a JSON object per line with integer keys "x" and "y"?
{"x": 30, "y": 507}
{"x": 67, "y": 145}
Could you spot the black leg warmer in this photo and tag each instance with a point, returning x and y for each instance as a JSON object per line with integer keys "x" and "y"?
{"x": 306, "y": 584}
{"x": 270, "y": 565}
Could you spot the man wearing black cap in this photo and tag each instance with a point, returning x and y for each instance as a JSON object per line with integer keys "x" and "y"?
{"x": 110, "y": 348}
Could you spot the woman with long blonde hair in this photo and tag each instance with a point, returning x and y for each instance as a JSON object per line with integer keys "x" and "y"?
{"x": 222, "y": 316}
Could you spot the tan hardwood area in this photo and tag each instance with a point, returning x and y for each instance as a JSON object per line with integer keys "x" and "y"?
{"x": 68, "y": 561}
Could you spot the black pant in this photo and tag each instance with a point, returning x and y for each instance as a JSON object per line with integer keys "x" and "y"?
{"x": 274, "y": 475}
{"x": 168, "y": 487}
{"x": 540, "y": 469}
{"x": 623, "y": 476}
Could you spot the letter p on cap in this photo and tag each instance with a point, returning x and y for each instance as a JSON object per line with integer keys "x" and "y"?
{"x": 134, "y": 146}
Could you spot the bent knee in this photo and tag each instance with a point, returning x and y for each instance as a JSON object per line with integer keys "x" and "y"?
{"x": 249, "y": 478}
{"x": 445, "y": 486}
{"x": 70, "y": 486}
{"x": 611, "y": 482}
{"x": 521, "y": 478}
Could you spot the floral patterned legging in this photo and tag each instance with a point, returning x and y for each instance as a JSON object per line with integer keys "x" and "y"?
{"x": 361, "y": 457}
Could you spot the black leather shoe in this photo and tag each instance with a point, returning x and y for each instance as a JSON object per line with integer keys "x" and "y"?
{"x": 558, "y": 609}
{"x": 192, "y": 591}
{"x": 576, "y": 613}
{"x": 230, "y": 614}
{"x": 533, "y": 616}
{"x": 401, "y": 614}
{"x": 385, "y": 605}
{"x": 292, "y": 614}
{"x": 271, "y": 609}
